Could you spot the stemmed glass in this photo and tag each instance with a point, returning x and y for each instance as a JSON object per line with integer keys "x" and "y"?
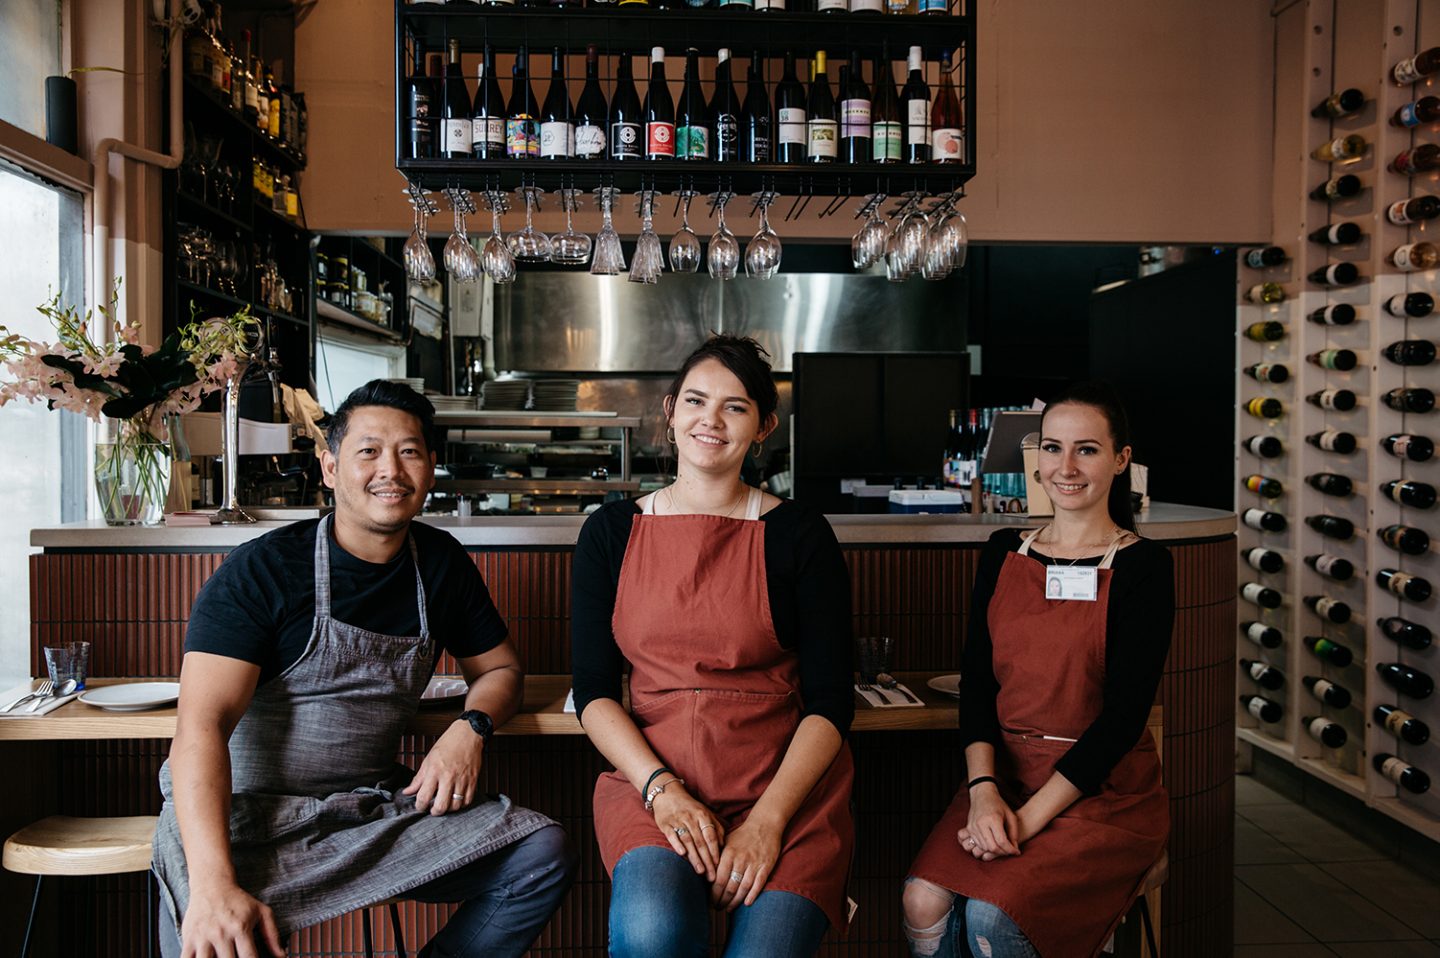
{"x": 570, "y": 247}
{"x": 529, "y": 244}
{"x": 685, "y": 245}
{"x": 724, "y": 257}
{"x": 762, "y": 254}
{"x": 461, "y": 260}
{"x": 419, "y": 263}
{"x": 905, "y": 248}
{"x": 498, "y": 261}
{"x": 609, "y": 258}
{"x": 867, "y": 246}
{"x": 649, "y": 259}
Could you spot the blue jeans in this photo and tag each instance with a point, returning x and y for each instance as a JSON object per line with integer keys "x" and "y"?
{"x": 659, "y": 908}
{"x": 507, "y": 897}
{"x": 976, "y": 929}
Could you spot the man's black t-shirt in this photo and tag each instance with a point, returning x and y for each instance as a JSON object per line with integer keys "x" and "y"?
{"x": 259, "y": 606}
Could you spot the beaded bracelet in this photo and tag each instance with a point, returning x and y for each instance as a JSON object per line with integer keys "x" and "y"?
{"x": 654, "y": 775}
{"x": 657, "y": 790}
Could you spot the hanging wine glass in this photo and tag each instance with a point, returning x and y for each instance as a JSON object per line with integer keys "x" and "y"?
{"x": 762, "y": 253}
{"x": 685, "y": 244}
{"x": 609, "y": 258}
{"x": 529, "y": 244}
{"x": 498, "y": 261}
{"x": 419, "y": 262}
{"x": 724, "y": 256}
{"x": 649, "y": 259}
{"x": 570, "y": 247}
{"x": 868, "y": 243}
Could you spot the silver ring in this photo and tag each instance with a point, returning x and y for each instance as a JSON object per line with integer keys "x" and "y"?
{"x": 736, "y": 877}
{"x": 682, "y": 831}
{"x": 457, "y": 797}
{"x": 969, "y": 841}
{"x": 703, "y": 827}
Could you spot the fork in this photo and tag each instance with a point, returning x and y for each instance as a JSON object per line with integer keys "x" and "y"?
{"x": 44, "y": 688}
{"x": 867, "y": 687}
{"x": 45, "y": 691}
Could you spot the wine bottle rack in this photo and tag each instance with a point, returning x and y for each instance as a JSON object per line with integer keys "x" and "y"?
{"x": 1326, "y": 52}
{"x": 634, "y": 30}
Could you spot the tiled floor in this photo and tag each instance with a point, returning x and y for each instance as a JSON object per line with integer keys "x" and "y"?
{"x": 1305, "y": 888}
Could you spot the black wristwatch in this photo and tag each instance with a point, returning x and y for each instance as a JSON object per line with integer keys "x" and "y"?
{"x": 483, "y": 725}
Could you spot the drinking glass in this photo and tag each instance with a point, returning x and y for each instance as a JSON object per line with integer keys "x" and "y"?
{"x": 609, "y": 258}
{"x": 867, "y": 246}
{"x": 649, "y": 259}
{"x": 570, "y": 247}
{"x": 762, "y": 254}
{"x": 453, "y": 254}
{"x": 685, "y": 244}
{"x": 498, "y": 261}
{"x": 419, "y": 263}
{"x": 724, "y": 258}
{"x": 529, "y": 244}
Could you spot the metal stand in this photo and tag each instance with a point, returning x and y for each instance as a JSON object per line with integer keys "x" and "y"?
{"x": 231, "y": 514}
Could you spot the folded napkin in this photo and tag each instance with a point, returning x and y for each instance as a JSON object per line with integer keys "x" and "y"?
{"x": 23, "y": 709}
{"x": 889, "y": 698}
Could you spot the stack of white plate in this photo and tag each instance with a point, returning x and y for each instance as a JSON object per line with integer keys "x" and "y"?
{"x": 506, "y": 394}
{"x": 453, "y": 403}
{"x": 416, "y": 383}
{"x": 556, "y": 395}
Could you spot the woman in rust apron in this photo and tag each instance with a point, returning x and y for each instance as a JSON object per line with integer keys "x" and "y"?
{"x": 733, "y": 781}
{"x": 1064, "y": 810}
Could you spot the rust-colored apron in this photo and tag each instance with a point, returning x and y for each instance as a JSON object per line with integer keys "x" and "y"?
{"x": 1074, "y": 881}
{"x": 717, "y": 697}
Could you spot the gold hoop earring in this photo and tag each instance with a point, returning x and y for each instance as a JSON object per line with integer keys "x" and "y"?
{"x": 756, "y": 449}
{"x": 670, "y": 435}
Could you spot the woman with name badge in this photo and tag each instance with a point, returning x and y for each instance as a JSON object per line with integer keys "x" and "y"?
{"x": 732, "y": 777}
{"x": 1043, "y": 851}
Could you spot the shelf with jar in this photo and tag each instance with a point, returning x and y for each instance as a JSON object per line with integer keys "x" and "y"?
{"x": 360, "y": 283}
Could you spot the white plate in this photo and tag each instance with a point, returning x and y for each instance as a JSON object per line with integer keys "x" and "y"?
{"x": 949, "y": 684}
{"x": 443, "y": 688}
{"x": 132, "y": 697}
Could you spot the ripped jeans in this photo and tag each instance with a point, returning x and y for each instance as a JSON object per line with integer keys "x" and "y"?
{"x": 975, "y": 929}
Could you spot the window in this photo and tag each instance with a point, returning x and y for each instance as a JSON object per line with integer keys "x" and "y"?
{"x": 345, "y": 361}
{"x": 29, "y": 52}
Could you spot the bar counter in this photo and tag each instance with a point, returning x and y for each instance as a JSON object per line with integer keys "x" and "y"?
{"x": 129, "y": 590}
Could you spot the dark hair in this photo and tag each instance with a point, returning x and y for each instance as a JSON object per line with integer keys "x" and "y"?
{"x": 744, "y": 357}
{"x": 1101, "y": 396}
{"x": 381, "y": 392}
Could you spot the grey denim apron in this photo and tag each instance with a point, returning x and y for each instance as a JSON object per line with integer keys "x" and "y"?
{"x": 317, "y": 825}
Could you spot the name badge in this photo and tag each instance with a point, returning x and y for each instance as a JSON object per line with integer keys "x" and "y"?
{"x": 1071, "y": 582}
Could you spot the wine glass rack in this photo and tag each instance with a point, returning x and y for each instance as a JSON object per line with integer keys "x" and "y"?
{"x": 634, "y": 30}
{"x": 1315, "y": 69}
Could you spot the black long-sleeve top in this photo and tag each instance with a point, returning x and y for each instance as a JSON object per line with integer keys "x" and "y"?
{"x": 1138, "y": 621}
{"x": 809, "y": 587}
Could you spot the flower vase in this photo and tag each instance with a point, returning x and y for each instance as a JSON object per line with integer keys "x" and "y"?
{"x": 132, "y": 475}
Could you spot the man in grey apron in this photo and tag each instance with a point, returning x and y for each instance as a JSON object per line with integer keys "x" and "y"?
{"x": 284, "y": 806}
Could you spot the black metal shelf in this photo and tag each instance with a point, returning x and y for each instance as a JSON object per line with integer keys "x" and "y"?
{"x": 260, "y": 142}
{"x": 268, "y": 214}
{"x": 193, "y": 204}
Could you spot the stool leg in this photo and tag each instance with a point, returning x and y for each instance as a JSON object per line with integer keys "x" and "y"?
{"x": 365, "y": 932}
{"x": 395, "y": 927}
{"x": 1149, "y": 927}
{"x": 150, "y": 914}
{"x": 30, "y": 924}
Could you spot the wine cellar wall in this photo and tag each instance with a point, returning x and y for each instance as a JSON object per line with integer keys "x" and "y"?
{"x": 1328, "y": 658}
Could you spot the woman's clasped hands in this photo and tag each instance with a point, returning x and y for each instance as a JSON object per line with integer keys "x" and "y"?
{"x": 993, "y": 830}
{"x": 737, "y": 865}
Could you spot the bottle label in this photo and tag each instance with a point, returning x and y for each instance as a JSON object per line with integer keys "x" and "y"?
{"x": 1395, "y": 305}
{"x": 1326, "y": 399}
{"x": 759, "y": 137}
{"x": 457, "y": 136}
{"x": 735, "y": 3}
{"x": 252, "y": 98}
{"x": 1262, "y": 372}
{"x": 659, "y": 139}
{"x": 1325, "y": 564}
{"x": 1404, "y": 163}
{"x": 1317, "y": 727}
{"x": 822, "y": 139}
{"x": 866, "y": 6}
{"x": 1396, "y": 213}
{"x": 590, "y": 141}
{"x": 1396, "y": 720}
{"x": 522, "y": 137}
{"x": 1320, "y": 689}
{"x": 1323, "y": 647}
{"x": 933, "y": 6}
{"x": 1252, "y": 591}
{"x": 1255, "y": 259}
{"x": 1400, "y": 446}
{"x": 885, "y": 142}
{"x": 825, "y": 5}
{"x": 855, "y": 116}
{"x": 624, "y": 140}
{"x": 1256, "y": 705}
{"x": 1392, "y": 768}
{"x": 1257, "y": 669}
{"x": 692, "y": 143}
{"x": 1323, "y": 605}
{"x": 1398, "y": 581}
{"x": 792, "y": 125}
{"x": 1332, "y": 235}
{"x": 1256, "y": 632}
{"x": 1395, "y": 492}
{"x": 727, "y": 137}
{"x": 917, "y": 122}
{"x": 769, "y": 4}
{"x": 1253, "y": 518}
{"x": 488, "y": 134}
{"x": 557, "y": 138}
{"x": 1406, "y": 72}
{"x": 947, "y": 143}
{"x": 1403, "y": 257}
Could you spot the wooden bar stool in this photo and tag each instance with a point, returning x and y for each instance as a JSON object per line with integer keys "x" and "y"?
{"x": 60, "y": 845}
{"x": 394, "y": 905}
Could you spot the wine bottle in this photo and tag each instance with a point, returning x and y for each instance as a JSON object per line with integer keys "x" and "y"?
{"x": 1410, "y": 399}
{"x": 1263, "y": 257}
{"x": 1266, "y": 676}
{"x": 1333, "y": 440}
{"x": 1336, "y": 314}
{"x": 1410, "y": 305}
{"x": 1338, "y": 104}
{"x": 1418, "y": 159}
{"x": 790, "y": 111}
{"x": 1409, "y": 446}
{"x": 1324, "y": 731}
{"x": 1328, "y": 650}
{"x": 1264, "y": 486}
{"x": 1265, "y": 293}
{"x": 1262, "y": 708}
{"x": 1404, "y": 584}
{"x": 1424, "y": 110}
{"x": 1336, "y": 274}
{"x": 725, "y": 111}
{"x": 1326, "y": 691}
{"x": 591, "y": 114}
{"x": 1328, "y": 608}
{"x": 1416, "y": 68}
{"x": 1414, "y": 256}
{"x": 1338, "y": 188}
{"x": 1266, "y": 447}
{"x": 1261, "y": 595}
{"x": 420, "y": 103}
{"x": 692, "y": 120}
{"x": 886, "y": 129}
{"x": 658, "y": 111}
{"x": 1408, "y": 492}
{"x": 1262, "y": 520}
{"x": 822, "y": 122}
{"x": 1342, "y": 149}
{"x": 455, "y": 136}
{"x": 250, "y": 104}
{"x": 832, "y": 6}
{"x": 1342, "y": 360}
{"x": 855, "y": 141}
{"x": 1340, "y": 400}
{"x": 1337, "y": 234}
{"x": 1332, "y": 527}
{"x": 1402, "y": 773}
{"x": 1410, "y": 352}
{"x": 487, "y": 114}
{"x": 1406, "y": 212}
{"x": 1412, "y": 635}
{"x": 755, "y": 132}
{"x": 1405, "y": 679}
{"x": 1331, "y": 566}
{"x": 1265, "y": 407}
{"x": 557, "y": 124}
{"x": 1402, "y": 725}
{"x": 916, "y": 97}
{"x": 762, "y": 6}
{"x": 1265, "y": 636}
{"x": 1407, "y": 540}
{"x": 1265, "y": 560}
{"x": 1331, "y": 484}
{"x": 1265, "y": 332}
{"x": 522, "y": 122}
{"x": 947, "y": 120}
{"x": 627, "y": 130}
{"x": 1268, "y": 372}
